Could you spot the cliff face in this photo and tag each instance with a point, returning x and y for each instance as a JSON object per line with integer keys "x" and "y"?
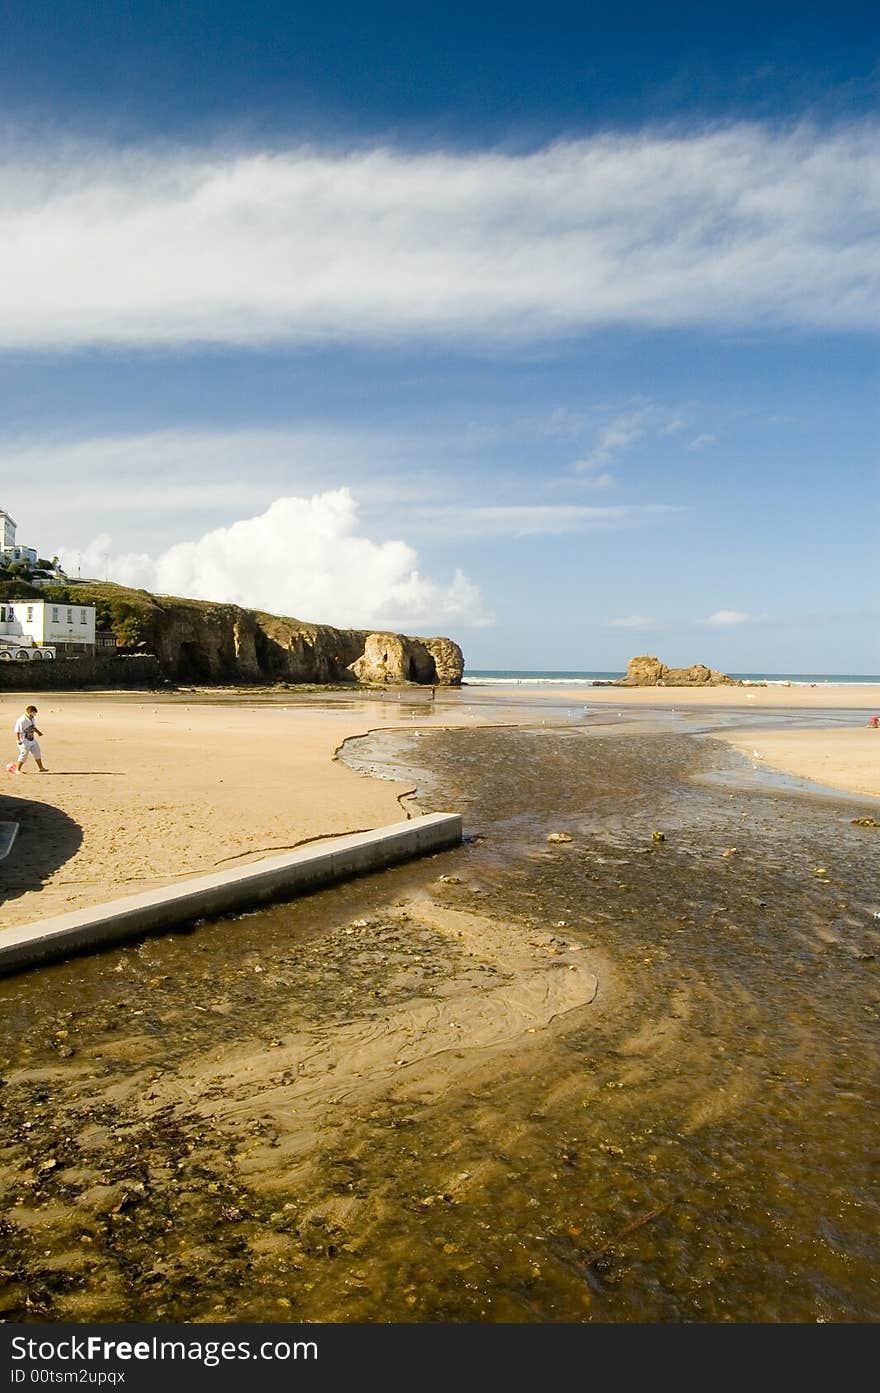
{"x": 197, "y": 641}
{"x": 650, "y": 672}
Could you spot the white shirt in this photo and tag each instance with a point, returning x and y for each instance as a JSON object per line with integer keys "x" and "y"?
{"x": 25, "y": 727}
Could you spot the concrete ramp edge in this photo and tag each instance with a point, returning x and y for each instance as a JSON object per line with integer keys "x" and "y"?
{"x": 259, "y": 882}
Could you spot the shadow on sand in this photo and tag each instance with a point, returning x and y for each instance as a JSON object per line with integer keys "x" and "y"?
{"x": 47, "y": 838}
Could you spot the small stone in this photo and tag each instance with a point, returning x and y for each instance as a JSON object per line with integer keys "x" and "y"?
{"x": 560, "y": 837}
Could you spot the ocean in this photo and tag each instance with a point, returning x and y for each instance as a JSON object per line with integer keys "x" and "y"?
{"x": 490, "y": 677}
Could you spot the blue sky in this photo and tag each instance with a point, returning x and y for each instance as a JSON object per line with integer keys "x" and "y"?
{"x": 559, "y": 337}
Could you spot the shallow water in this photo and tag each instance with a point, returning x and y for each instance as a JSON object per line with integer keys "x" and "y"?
{"x": 696, "y": 1144}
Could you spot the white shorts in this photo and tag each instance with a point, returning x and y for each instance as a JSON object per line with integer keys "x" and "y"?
{"x": 29, "y": 747}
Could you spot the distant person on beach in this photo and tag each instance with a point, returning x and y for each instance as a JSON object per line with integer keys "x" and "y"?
{"x": 26, "y": 732}
{"x": 874, "y": 722}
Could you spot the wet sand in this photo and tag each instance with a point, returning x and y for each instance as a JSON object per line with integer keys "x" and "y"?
{"x": 145, "y": 791}
{"x": 846, "y": 759}
{"x": 623, "y": 1077}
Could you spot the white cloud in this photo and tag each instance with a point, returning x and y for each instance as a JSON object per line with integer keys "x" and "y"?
{"x": 737, "y": 226}
{"x": 303, "y": 557}
{"x": 181, "y": 468}
{"x": 525, "y": 520}
{"x": 624, "y": 432}
{"x": 700, "y": 442}
{"x": 727, "y": 616}
{"x": 671, "y": 426}
{"x": 161, "y": 487}
{"x": 631, "y": 621}
{"x": 619, "y": 435}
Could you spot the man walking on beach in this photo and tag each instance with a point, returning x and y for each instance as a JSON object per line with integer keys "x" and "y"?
{"x": 26, "y": 733}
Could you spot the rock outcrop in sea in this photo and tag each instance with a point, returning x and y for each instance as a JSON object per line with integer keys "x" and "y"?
{"x": 650, "y": 672}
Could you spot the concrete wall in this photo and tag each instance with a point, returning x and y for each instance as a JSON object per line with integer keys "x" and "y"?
{"x": 275, "y": 877}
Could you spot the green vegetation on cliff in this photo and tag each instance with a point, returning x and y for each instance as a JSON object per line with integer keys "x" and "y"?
{"x": 202, "y": 641}
{"x": 129, "y": 613}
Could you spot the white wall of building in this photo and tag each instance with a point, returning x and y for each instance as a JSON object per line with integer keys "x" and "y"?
{"x": 48, "y": 623}
{"x": 11, "y": 551}
{"x": 26, "y": 554}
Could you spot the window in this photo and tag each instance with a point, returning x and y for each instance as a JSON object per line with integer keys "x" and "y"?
{"x": 82, "y": 616}
{"x": 2, "y": 614}
{"x": 70, "y": 616}
{"x": 55, "y": 615}
{"x": 30, "y": 612}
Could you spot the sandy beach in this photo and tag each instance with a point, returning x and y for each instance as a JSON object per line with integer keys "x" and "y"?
{"x": 143, "y": 791}
{"x": 843, "y": 759}
{"x": 846, "y": 759}
{"x": 836, "y": 757}
{"x": 622, "y": 1073}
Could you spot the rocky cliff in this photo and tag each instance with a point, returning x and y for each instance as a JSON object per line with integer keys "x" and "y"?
{"x": 198, "y": 641}
{"x": 650, "y": 672}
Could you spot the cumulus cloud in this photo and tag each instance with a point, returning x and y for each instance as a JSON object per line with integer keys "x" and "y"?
{"x": 303, "y": 557}
{"x": 727, "y": 616}
{"x": 163, "y": 246}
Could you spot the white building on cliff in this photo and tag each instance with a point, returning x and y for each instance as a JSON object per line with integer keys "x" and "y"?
{"x": 9, "y": 550}
{"x": 42, "y": 624}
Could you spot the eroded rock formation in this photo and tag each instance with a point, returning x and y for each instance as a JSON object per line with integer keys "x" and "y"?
{"x": 650, "y": 672}
{"x": 197, "y": 641}
{"x": 385, "y": 656}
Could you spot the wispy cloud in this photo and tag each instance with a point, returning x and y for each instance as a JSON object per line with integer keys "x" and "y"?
{"x": 702, "y": 442}
{"x": 620, "y": 435}
{"x": 671, "y": 425}
{"x": 527, "y": 520}
{"x": 740, "y": 226}
{"x": 728, "y": 616}
{"x": 305, "y": 557}
{"x": 631, "y": 621}
{"x": 160, "y": 487}
{"x": 168, "y": 466}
